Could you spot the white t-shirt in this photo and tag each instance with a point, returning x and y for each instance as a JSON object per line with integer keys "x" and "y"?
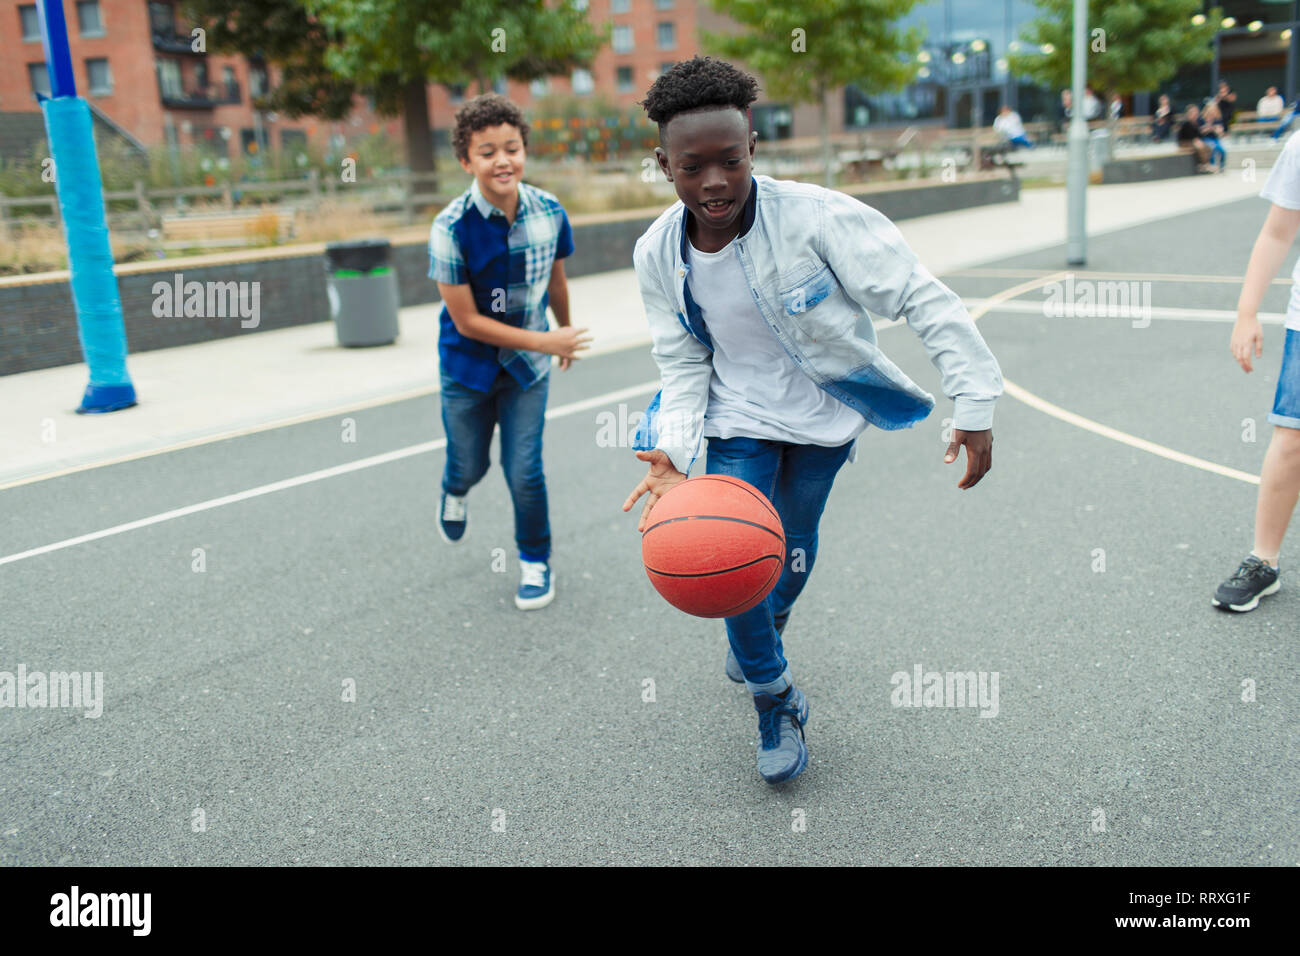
{"x": 1009, "y": 125}
{"x": 1283, "y": 189}
{"x": 1269, "y": 107}
{"x": 757, "y": 390}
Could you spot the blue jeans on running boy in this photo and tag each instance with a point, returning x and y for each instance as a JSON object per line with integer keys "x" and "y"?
{"x": 797, "y": 480}
{"x": 468, "y": 417}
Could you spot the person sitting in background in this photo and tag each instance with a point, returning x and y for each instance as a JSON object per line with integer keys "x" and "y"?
{"x": 1008, "y": 124}
{"x": 1163, "y": 121}
{"x": 1226, "y": 101}
{"x": 1189, "y": 137}
{"x": 1116, "y": 108}
{"x": 1270, "y": 105}
{"x": 1211, "y": 131}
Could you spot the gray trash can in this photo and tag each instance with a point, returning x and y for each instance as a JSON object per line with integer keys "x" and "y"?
{"x": 1099, "y": 149}
{"x": 362, "y": 287}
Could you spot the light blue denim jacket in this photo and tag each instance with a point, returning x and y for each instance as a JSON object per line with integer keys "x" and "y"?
{"x": 815, "y": 259}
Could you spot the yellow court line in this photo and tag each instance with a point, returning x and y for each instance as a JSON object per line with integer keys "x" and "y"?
{"x": 1086, "y": 274}
{"x": 1079, "y": 421}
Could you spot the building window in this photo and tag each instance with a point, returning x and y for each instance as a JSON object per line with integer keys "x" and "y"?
{"x": 580, "y": 4}
{"x": 230, "y": 83}
{"x": 663, "y": 4}
{"x": 666, "y": 36}
{"x": 169, "y": 79}
{"x": 456, "y": 92}
{"x": 256, "y": 81}
{"x": 162, "y": 19}
{"x": 622, "y": 39}
{"x": 31, "y": 23}
{"x": 101, "y": 80}
{"x": 88, "y": 19}
{"x": 620, "y": 6}
{"x": 39, "y": 77}
{"x": 624, "y": 79}
{"x": 582, "y": 82}
{"x": 201, "y": 76}
{"x": 540, "y": 86}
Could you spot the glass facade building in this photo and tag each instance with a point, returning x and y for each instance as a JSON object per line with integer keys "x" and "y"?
{"x": 964, "y": 76}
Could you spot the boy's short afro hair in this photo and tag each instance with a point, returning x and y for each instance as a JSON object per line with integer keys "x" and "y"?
{"x": 700, "y": 82}
{"x": 490, "y": 109}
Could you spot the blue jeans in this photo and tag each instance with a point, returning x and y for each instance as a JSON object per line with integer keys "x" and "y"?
{"x": 1286, "y": 401}
{"x": 468, "y": 417}
{"x": 1216, "y": 150}
{"x": 797, "y": 480}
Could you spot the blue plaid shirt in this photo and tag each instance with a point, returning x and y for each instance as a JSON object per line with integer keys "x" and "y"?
{"x": 508, "y": 267}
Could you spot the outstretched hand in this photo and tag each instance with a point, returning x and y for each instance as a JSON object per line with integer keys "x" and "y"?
{"x": 979, "y": 454}
{"x": 661, "y": 476}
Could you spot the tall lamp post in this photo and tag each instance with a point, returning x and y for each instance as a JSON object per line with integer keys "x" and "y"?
{"x": 1076, "y": 177}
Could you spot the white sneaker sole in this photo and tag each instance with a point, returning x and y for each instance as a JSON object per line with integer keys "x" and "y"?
{"x": 1254, "y": 602}
{"x": 533, "y": 604}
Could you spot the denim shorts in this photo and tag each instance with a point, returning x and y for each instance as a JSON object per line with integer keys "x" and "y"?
{"x": 1286, "y": 403}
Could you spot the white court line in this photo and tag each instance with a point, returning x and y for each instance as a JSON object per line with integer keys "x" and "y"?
{"x": 978, "y": 273}
{"x": 1155, "y": 312}
{"x": 558, "y": 412}
{"x": 999, "y": 301}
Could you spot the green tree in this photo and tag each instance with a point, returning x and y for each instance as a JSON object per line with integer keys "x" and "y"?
{"x": 1141, "y": 43}
{"x": 328, "y": 51}
{"x": 284, "y": 33}
{"x": 398, "y": 46}
{"x": 803, "y": 49}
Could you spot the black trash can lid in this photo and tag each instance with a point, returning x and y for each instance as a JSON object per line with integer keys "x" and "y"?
{"x": 358, "y": 255}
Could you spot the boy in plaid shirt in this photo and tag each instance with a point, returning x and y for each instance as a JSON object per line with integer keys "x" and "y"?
{"x": 497, "y": 254}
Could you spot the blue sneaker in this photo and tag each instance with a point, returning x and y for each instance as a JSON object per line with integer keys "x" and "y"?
{"x": 733, "y": 666}
{"x": 453, "y": 518}
{"x": 782, "y": 754}
{"x": 536, "y": 585}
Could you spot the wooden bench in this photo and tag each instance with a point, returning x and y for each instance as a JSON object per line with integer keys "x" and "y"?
{"x": 228, "y": 229}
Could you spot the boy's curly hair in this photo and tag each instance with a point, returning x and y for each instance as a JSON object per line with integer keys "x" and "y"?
{"x": 700, "y": 82}
{"x": 490, "y": 109}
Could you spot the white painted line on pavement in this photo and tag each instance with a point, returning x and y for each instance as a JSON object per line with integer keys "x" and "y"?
{"x": 1000, "y": 301}
{"x": 1155, "y": 312}
{"x": 409, "y": 451}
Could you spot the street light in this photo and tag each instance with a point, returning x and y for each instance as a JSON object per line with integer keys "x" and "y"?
{"x": 1228, "y": 22}
{"x": 1198, "y": 19}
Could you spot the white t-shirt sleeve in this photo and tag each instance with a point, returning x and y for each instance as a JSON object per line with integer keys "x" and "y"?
{"x": 1282, "y": 187}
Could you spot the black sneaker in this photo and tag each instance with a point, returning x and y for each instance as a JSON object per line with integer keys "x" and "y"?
{"x": 1252, "y": 581}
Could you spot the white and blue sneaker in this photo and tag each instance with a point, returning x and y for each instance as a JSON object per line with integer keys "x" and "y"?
{"x": 782, "y": 754}
{"x": 453, "y": 518}
{"x": 536, "y": 585}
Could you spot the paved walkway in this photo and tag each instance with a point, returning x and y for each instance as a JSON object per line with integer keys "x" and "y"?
{"x": 195, "y": 392}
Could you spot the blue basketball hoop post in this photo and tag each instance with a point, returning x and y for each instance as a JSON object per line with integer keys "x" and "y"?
{"x": 81, "y": 205}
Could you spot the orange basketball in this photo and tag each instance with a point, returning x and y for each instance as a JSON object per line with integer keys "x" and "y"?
{"x": 715, "y": 546}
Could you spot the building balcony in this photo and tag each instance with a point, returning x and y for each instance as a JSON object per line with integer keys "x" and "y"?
{"x": 199, "y": 99}
{"x": 174, "y": 43}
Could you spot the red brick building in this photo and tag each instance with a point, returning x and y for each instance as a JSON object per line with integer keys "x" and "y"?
{"x": 135, "y": 62}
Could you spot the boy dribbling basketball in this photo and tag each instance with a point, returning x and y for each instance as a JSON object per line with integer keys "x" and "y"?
{"x": 752, "y": 288}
